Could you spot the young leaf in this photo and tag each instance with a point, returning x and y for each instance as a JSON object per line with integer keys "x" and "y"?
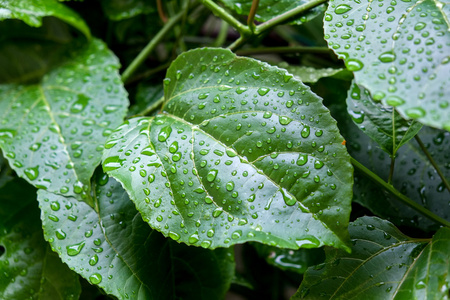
{"x": 382, "y": 124}
{"x": 269, "y": 9}
{"x": 242, "y": 152}
{"x": 384, "y": 264}
{"x": 53, "y": 132}
{"x": 33, "y": 11}
{"x": 113, "y": 248}
{"x": 398, "y": 51}
{"x": 28, "y": 267}
{"x": 124, "y": 9}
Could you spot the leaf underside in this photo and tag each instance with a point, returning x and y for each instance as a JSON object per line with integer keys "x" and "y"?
{"x": 241, "y": 152}
{"x": 398, "y": 51}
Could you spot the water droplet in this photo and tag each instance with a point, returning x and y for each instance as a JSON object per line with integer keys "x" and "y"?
{"x": 164, "y": 133}
{"x": 305, "y": 131}
{"x": 95, "y": 278}
{"x": 419, "y": 26}
{"x": 55, "y": 205}
{"x": 342, "y": 8}
{"x": 173, "y": 147}
{"x": 7, "y": 133}
{"x": 74, "y": 249}
{"x": 318, "y": 164}
{"x": 230, "y": 186}
{"x": 175, "y": 236}
{"x": 284, "y": 120}
{"x": 60, "y": 234}
{"x": 394, "y": 101}
{"x": 211, "y": 175}
{"x": 386, "y": 57}
{"x": 112, "y": 163}
{"x": 302, "y": 159}
{"x": 288, "y": 198}
{"x": 237, "y": 234}
{"x": 93, "y": 260}
{"x": 193, "y": 238}
{"x": 267, "y": 115}
{"x": 241, "y": 89}
{"x": 421, "y": 284}
{"x": 217, "y": 212}
{"x": 32, "y": 173}
{"x": 263, "y": 91}
{"x": 354, "y": 64}
{"x": 415, "y": 112}
{"x": 309, "y": 242}
{"x": 79, "y": 105}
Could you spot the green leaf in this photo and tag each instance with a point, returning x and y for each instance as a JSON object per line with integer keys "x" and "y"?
{"x": 124, "y": 9}
{"x": 384, "y": 264}
{"x": 312, "y": 75}
{"x": 290, "y": 260}
{"x": 113, "y": 248}
{"x": 33, "y": 11}
{"x": 28, "y": 268}
{"x": 146, "y": 96}
{"x": 398, "y": 51}
{"x": 53, "y": 132}
{"x": 381, "y": 123}
{"x": 242, "y": 152}
{"x": 269, "y": 9}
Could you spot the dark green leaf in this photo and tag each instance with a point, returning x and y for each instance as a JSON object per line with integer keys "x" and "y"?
{"x": 398, "y": 51}
{"x": 381, "y": 123}
{"x": 242, "y": 152}
{"x": 124, "y": 9}
{"x": 290, "y": 260}
{"x": 146, "y": 95}
{"x": 113, "y": 248}
{"x": 28, "y": 268}
{"x": 384, "y": 264}
{"x": 269, "y": 9}
{"x": 33, "y": 11}
{"x": 53, "y": 133}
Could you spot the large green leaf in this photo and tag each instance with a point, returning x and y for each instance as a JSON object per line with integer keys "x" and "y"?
{"x": 113, "y": 248}
{"x": 33, "y": 11}
{"x": 53, "y": 133}
{"x": 28, "y": 267}
{"x": 399, "y": 51}
{"x": 242, "y": 152}
{"x": 312, "y": 75}
{"x": 384, "y": 264}
{"x": 124, "y": 9}
{"x": 381, "y": 123}
{"x": 269, "y": 9}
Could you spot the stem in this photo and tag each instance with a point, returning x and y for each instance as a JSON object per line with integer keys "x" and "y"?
{"x": 391, "y": 171}
{"x": 299, "y": 49}
{"x": 251, "y": 15}
{"x": 150, "y": 46}
{"x": 287, "y": 15}
{"x": 161, "y": 14}
{"x": 224, "y": 15}
{"x": 237, "y": 43}
{"x": 432, "y": 161}
{"x": 222, "y": 36}
{"x": 399, "y": 195}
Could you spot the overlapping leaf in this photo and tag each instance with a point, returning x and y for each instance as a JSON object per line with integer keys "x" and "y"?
{"x": 384, "y": 264}
{"x": 269, "y": 9}
{"x": 28, "y": 267}
{"x": 382, "y": 124}
{"x": 113, "y": 248}
{"x": 124, "y": 9}
{"x": 32, "y": 12}
{"x": 53, "y": 133}
{"x": 312, "y": 75}
{"x": 242, "y": 152}
{"x": 399, "y": 52}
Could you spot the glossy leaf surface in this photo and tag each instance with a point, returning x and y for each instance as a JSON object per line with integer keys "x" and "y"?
{"x": 124, "y": 9}
{"x": 381, "y": 123}
{"x": 312, "y": 75}
{"x": 269, "y": 9}
{"x": 32, "y": 12}
{"x": 28, "y": 267}
{"x": 53, "y": 133}
{"x": 242, "y": 152}
{"x": 113, "y": 248}
{"x": 398, "y": 51}
{"x": 384, "y": 264}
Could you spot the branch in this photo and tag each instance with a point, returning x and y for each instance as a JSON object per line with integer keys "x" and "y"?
{"x": 251, "y": 15}
{"x": 224, "y": 15}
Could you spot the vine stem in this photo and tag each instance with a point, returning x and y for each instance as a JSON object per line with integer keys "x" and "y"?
{"x": 432, "y": 161}
{"x": 391, "y": 171}
{"x": 224, "y": 15}
{"x": 399, "y": 195}
{"x": 287, "y": 15}
{"x": 251, "y": 15}
{"x": 298, "y": 49}
{"x": 151, "y": 45}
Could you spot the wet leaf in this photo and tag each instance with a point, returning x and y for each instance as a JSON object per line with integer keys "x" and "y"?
{"x": 28, "y": 267}
{"x": 381, "y": 123}
{"x": 33, "y": 11}
{"x": 269, "y": 9}
{"x": 242, "y": 152}
{"x": 398, "y": 51}
{"x": 384, "y": 264}
{"x": 124, "y": 9}
{"x": 53, "y": 133}
{"x": 113, "y": 248}
{"x": 312, "y": 75}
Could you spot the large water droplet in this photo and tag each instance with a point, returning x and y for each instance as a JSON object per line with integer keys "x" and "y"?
{"x": 354, "y": 64}
{"x": 74, "y": 249}
{"x": 112, "y": 163}
{"x": 32, "y": 173}
{"x": 386, "y": 57}
{"x": 164, "y": 133}
{"x": 342, "y": 9}
{"x": 79, "y": 105}
{"x": 95, "y": 278}
{"x": 211, "y": 175}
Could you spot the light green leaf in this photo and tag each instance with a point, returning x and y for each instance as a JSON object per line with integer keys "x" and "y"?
{"x": 113, "y": 248}
{"x": 384, "y": 264}
{"x": 242, "y": 152}
{"x": 32, "y": 12}
{"x": 269, "y": 9}
{"x": 124, "y": 9}
{"x": 381, "y": 123}
{"x": 399, "y": 51}
{"x": 28, "y": 268}
{"x": 312, "y": 75}
{"x": 290, "y": 260}
{"x": 53, "y": 133}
